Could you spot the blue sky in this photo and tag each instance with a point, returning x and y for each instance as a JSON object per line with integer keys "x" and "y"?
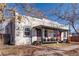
{"x": 45, "y": 7}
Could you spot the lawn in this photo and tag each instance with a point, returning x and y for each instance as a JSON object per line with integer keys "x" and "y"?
{"x": 57, "y": 45}
{"x": 40, "y": 50}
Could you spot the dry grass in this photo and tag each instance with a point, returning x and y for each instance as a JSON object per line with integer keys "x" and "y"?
{"x": 59, "y": 45}
{"x": 18, "y": 50}
{"x": 74, "y": 52}
{"x": 29, "y": 50}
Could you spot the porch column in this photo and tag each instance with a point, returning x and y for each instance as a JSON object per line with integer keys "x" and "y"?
{"x": 43, "y": 32}
{"x": 66, "y": 35}
{"x": 62, "y": 36}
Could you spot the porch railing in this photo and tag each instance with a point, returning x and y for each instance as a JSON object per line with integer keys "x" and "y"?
{"x": 51, "y": 40}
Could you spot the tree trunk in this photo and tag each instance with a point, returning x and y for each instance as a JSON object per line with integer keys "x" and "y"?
{"x": 75, "y": 29}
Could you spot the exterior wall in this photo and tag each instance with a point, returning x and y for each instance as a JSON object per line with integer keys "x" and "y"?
{"x": 20, "y": 38}
{"x": 34, "y": 35}
{"x": 29, "y": 22}
{"x": 8, "y": 32}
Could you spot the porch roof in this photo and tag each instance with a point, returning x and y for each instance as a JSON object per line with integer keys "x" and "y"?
{"x": 51, "y": 28}
{"x": 35, "y": 22}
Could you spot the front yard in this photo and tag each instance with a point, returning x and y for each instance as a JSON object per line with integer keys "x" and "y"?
{"x": 60, "y": 49}
{"x": 56, "y": 45}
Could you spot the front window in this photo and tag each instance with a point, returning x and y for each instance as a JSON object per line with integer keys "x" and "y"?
{"x": 27, "y": 32}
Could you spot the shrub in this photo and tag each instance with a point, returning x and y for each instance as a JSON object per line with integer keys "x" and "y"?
{"x": 36, "y": 43}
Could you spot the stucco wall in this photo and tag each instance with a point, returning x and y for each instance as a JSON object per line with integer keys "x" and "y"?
{"x": 27, "y": 21}
{"x": 34, "y": 35}
{"x": 20, "y": 39}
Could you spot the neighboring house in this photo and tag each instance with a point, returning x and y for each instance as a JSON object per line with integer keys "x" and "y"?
{"x": 27, "y": 29}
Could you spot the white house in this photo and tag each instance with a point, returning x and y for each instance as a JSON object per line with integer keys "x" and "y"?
{"x": 27, "y": 29}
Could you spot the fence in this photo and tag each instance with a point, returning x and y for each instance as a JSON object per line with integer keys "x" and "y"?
{"x": 74, "y": 39}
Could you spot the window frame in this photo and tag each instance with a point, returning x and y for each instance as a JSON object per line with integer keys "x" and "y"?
{"x": 26, "y": 31}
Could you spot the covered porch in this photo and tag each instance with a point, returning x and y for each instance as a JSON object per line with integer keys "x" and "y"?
{"x": 47, "y": 34}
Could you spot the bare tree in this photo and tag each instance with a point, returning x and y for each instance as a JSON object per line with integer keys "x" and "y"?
{"x": 71, "y": 16}
{"x": 2, "y": 6}
{"x": 28, "y": 9}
